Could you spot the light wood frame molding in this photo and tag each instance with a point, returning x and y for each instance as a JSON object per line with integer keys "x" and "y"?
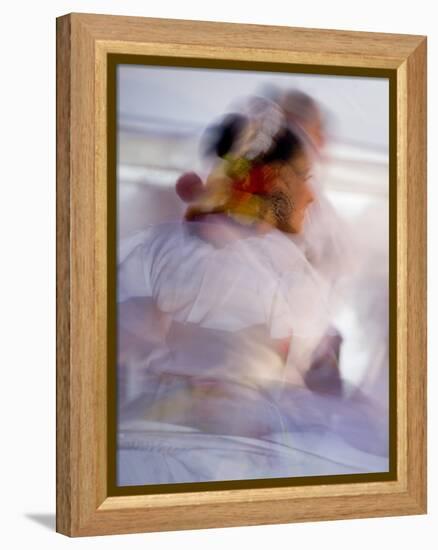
{"x": 83, "y": 504}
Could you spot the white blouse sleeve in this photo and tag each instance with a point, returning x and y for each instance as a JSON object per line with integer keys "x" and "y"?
{"x": 296, "y": 297}
{"x": 133, "y": 280}
{"x": 262, "y": 280}
{"x": 299, "y": 304}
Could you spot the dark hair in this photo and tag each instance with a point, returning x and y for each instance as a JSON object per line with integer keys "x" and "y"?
{"x": 286, "y": 145}
{"x": 220, "y": 138}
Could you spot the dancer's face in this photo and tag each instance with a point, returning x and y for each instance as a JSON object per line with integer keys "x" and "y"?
{"x": 295, "y": 178}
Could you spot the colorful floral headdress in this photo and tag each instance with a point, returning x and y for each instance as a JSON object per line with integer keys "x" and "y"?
{"x": 241, "y": 186}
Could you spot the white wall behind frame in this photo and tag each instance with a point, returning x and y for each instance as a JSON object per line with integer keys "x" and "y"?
{"x": 27, "y": 217}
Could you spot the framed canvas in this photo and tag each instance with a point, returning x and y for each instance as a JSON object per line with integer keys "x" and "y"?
{"x": 241, "y": 274}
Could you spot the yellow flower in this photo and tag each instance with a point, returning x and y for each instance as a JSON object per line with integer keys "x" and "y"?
{"x": 237, "y": 167}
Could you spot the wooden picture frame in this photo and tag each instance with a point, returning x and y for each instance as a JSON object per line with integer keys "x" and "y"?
{"x": 84, "y": 42}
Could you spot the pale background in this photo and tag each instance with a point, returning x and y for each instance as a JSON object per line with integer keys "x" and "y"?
{"x": 27, "y": 215}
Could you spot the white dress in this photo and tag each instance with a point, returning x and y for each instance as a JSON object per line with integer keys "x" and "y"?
{"x": 222, "y": 392}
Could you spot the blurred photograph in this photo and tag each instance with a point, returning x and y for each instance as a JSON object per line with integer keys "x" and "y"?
{"x": 252, "y": 282}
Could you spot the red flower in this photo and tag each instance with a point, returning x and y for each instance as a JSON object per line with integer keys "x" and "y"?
{"x": 258, "y": 181}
